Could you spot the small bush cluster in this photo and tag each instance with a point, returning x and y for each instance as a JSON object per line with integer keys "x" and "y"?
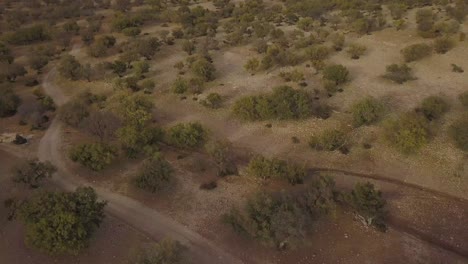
{"x": 265, "y": 169}
{"x": 355, "y": 51}
{"x": 213, "y": 101}
{"x": 369, "y": 204}
{"x": 9, "y": 102}
{"x": 284, "y": 103}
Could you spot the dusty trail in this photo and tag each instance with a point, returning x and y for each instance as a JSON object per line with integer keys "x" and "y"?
{"x": 132, "y": 212}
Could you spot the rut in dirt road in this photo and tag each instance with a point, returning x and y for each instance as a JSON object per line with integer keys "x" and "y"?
{"x": 137, "y": 215}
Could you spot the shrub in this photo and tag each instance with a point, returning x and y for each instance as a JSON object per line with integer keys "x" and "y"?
{"x": 155, "y": 174}
{"x": 329, "y": 140}
{"x": 213, "y": 101}
{"x": 416, "y": 52}
{"x": 265, "y": 169}
{"x": 59, "y": 222}
{"x": 336, "y": 73}
{"x": 408, "y": 133}
{"x": 9, "y": 102}
{"x": 33, "y": 172}
{"x": 463, "y": 98}
{"x": 369, "y": 204}
{"x": 356, "y": 51}
{"x": 69, "y": 67}
{"x": 443, "y": 45}
{"x": 459, "y": 132}
{"x": 433, "y": 107}
{"x": 188, "y": 46}
{"x": 73, "y": 112}
{"x": 457, "y": 69}
{"x": 399, "y": 73}
{"x": 294, "y": 75}
{"x": 131, "y": 31}
{"x": 180, "y": 85}
{"x": 221, "y": 153}
{"x": 28, "y": 35}
{"x": 366, "y": 112}
{"x": 165, "y": 252}
{"x": 95, "y": 156}
{"x": 252, "y": 65}
{"x": 272, "y": 220}
{"x": 204, "y": 69}
{"x": 190, "y": 135}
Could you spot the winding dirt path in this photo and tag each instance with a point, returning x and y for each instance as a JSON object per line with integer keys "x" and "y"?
{"x": 137, "y": 215}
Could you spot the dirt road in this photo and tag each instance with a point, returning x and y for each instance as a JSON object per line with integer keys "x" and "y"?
{"x": 126, "y": 209}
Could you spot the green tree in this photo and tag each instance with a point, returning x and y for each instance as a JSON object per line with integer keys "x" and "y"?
{"x": 369, "y": 204}
{"x": 336, "y": 73}
{"x": 204, "y": 69}
{"x": 155, "y": 174}
{"x": 433, "y": 107}
{"x": 69, "y": 67}
{"x": 95, "y": 156}
{"x": 9, "y": 102}
{"x": 189, "y": 135}
{"x": 165, "y": 252}
{"x": 32, "y": 172}
{"x": 58, "y": 222}
{"x": 408, "y": 133}
{"x": 459, "y": 132}
{"x": 366, "y": 111}
{"x": 416, "y": 52}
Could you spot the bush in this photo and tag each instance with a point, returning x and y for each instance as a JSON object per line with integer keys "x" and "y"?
{"x": 294, "y": 76}
{"x": 459, "y": 132}
{"x": 265, "y": 169}
{"x": 399, "y": 73}
{"x": 336, "y": 73}
{"x": 284, "y": 103}
{"x": 433, "y": 107}
{"x": 329, "y": 140}
{"x": 95, "y": 156}
{"x": 190, "y": 135}
{"x": 180, "y": 85}
{"x": 28, "y": 35}
{"x": 221, "y": 153}
{"x": 366, "y": 112}
{"x": 155, "y": 174}
{"x": 70, "y": 68}
{"x": 9, "y": 102}
{"x": 408, "y": 133}
{"x": 463, "y": 98}
{"x": 131, "y": 31}
{"x": 252, "y": 65}
{"x": 73, "y": 112}
{"x": 443, "y": 45}
{"x": 356, "y": 51}
{"x": 283, "y": 219}
{"x": 369, "y": 204}
{"x": 416, "y": 52}
{"x": 213, "y": 101}
{"x": 204, "y": 69}
{"x": 59, "y": 222}
{"x": 165, "y": 252}
{"x": 33, "y": 172}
